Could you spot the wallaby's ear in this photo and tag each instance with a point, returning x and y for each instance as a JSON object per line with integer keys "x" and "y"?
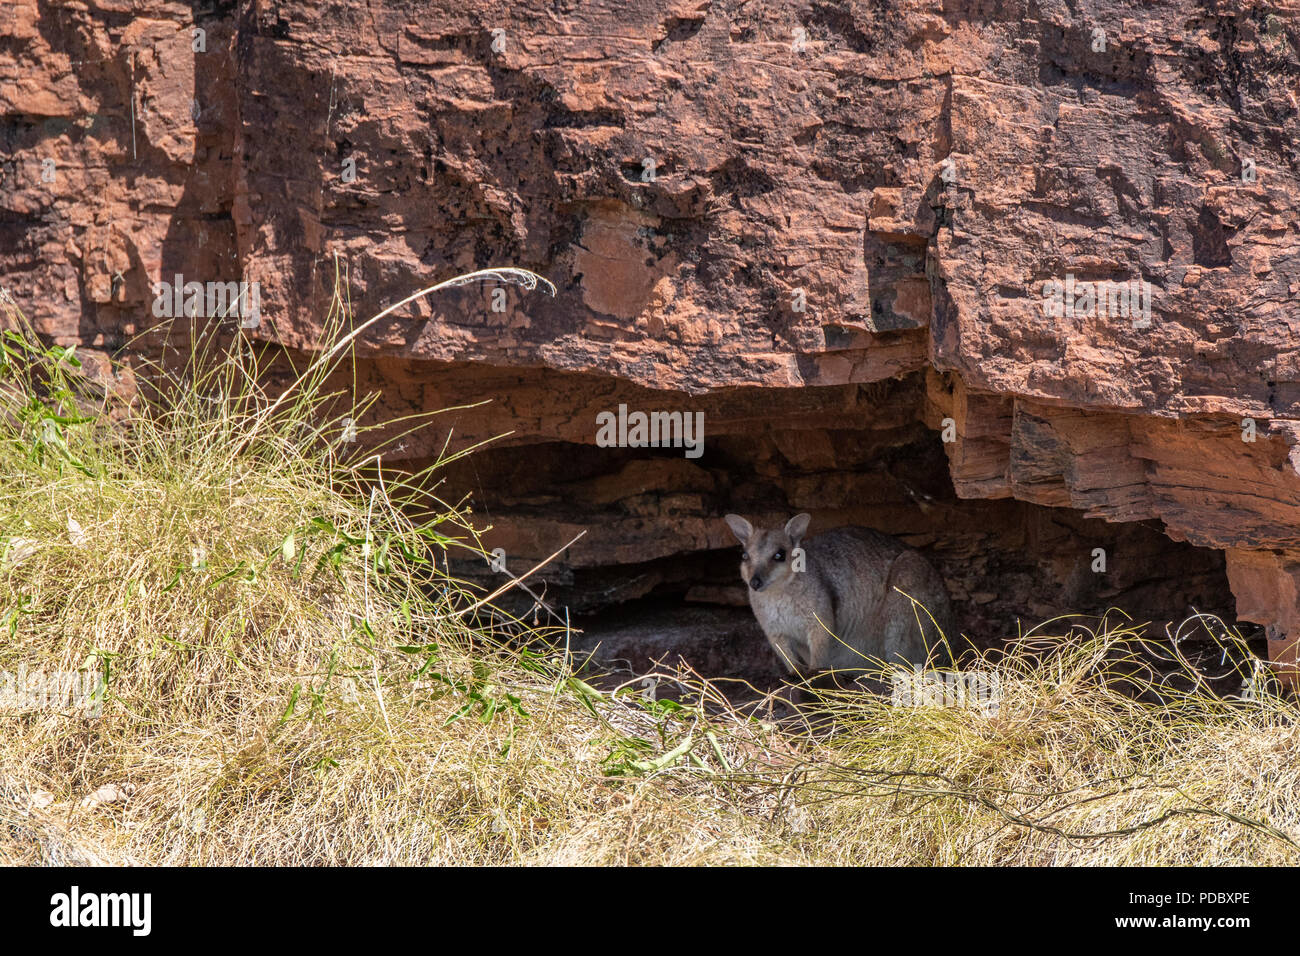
{"x": 797, "y": 525}
{"x": 741, "y": 528}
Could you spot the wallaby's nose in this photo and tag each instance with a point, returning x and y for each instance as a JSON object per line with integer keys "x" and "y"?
{"x": 756, "y": 583}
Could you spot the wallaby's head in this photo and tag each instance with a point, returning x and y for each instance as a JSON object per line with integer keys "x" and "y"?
{"x": 765, "y": 563}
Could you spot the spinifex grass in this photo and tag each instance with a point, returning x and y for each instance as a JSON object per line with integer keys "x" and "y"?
{"x": 292, "y": 677}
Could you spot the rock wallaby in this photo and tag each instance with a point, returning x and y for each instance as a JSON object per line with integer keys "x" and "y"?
{"x": 834, "y": 606}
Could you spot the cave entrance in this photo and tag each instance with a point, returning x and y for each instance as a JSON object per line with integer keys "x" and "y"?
{"x": 655, "y": 576}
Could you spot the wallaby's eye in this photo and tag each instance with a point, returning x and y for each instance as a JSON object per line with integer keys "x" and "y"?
{"x": 779, "y": 556}
{"x": 744, "y": 556}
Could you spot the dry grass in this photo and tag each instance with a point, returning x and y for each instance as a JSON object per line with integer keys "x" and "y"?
{"x": 292, "y": 679}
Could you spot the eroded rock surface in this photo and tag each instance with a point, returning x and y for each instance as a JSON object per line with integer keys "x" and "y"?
{"x": 749, "y": 207}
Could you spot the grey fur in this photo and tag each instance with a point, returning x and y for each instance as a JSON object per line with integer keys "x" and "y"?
{"x": 842, "y": 611}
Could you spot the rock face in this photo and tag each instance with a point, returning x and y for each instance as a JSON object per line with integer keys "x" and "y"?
{"x": 1059, "y": 248}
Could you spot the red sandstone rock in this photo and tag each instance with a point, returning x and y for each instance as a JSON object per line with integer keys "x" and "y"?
{"x": 728, "y": 194}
